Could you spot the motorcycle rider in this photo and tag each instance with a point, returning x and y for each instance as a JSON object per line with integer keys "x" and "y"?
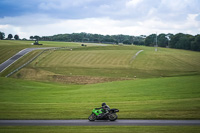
{"x": 105, "y": 109}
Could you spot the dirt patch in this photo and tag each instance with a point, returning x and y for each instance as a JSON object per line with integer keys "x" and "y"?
{"x": 42, "y": 75}
{"x": 84, "y": 79}
{"x": 33, "y": 74}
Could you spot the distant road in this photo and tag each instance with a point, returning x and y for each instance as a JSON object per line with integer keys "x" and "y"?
{"x": 17, "y": 56}
{"x": 133, "y": 58}
{"x": 99, "y": 123}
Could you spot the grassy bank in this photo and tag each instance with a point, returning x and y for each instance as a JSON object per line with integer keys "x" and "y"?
{"x": 99, "y": 64}
{"x": 10, "y": 47}
{"x": 144, "y": 93}
{"x": 159, "y": 98}
{"x": 114, "y": 62}
{"x": 100, "y": 129}
{"x": 20, "y": 62}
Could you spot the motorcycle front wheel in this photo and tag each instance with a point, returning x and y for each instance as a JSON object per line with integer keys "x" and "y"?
{"x": 113, "y": 117}
{"x": 92, "y": 117}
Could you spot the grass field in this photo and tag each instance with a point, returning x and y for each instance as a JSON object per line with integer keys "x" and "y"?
{"x": 20, "y": 62}
{"x": 155, "y": 85}
{"x": 143, "y": 94}
{"x": 101, "y": 129}
{"x": 111, "y": 63}
{"x": 100, "y": 64}
{"x": 10, "y": 47}
{"x": 157, "y": 98}
{"x": 149, "y": 98}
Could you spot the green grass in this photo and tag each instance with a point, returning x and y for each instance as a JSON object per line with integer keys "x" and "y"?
{"x": 148, "y": 97}
{"x": 100, "y": 129}
{"x": 20, "y": 62}
{"x": 157, "y": 98}
{"x": 88, "y": 59}
{"x": 10, "y": 47}
{"x": 106, "y": 62}
{"x": 113, "y": 62}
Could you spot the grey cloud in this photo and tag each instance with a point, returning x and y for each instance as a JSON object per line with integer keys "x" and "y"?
{"x": 109, "y": 17}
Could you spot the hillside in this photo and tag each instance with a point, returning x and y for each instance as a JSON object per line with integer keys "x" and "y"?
{"x": 156, "y": 98}
{"x": 10, "y": 47}
{"x": 110, "y": 63}
{"x": 152, "y": 85}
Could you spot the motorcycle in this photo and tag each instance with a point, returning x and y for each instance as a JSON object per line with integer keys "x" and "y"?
{"x": 110, "y": 115}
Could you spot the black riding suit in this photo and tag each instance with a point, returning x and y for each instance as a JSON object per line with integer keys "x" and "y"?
{"x": 105, "y": 110}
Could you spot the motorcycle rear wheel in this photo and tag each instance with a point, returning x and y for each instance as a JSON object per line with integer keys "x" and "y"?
{"x": 92, "y": 117}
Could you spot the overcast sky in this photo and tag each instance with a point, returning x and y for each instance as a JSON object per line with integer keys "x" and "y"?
{"x": 130, "y": 17}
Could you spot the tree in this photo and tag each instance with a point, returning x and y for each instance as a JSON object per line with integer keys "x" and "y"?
{"x": 181, "y": 41}
{"x": 162, "y": 40}
{"x": 31, "y": 37}
{"x": 195, "y": 45}
{"x": 10, "y": 36}
{"x": 150, "y": 40}
{"x": 185, "y": 41}
{"x": 136, "y": 42}
{"x": 127, "y": 42}
{"x": 16, "y": 37}
{"x": 36, "y": 37}
{"x": 2, "y": 35}
{"x": 141, "y": 43}
{"x": 174, "y": 42}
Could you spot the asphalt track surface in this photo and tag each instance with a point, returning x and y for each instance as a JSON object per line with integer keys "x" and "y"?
{"x": 99, "y": 123}
{"x": 17, "y": 56}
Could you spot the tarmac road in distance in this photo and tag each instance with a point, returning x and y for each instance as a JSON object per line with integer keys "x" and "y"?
{"x": 17, "y": 56}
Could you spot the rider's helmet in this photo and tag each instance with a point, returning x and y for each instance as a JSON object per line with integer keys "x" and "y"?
{"x": 103, "y": 104}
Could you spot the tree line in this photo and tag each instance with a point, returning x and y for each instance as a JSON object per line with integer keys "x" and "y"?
{"x": 10, "y": 36}
{"x": 93, "y": 38}
{"x": 178, "y": 41}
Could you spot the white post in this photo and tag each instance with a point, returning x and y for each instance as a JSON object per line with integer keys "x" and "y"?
{"x": 156, "y": 47}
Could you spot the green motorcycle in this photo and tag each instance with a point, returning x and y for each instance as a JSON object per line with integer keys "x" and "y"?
{"x": 110, "y": 115}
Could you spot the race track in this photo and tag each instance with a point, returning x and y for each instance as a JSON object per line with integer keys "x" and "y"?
{"x": 17, "y": 56}
{"x": 99, "y": 123}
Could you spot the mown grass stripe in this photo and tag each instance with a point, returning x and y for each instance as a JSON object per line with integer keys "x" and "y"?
{"x": 158, "y": 98}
